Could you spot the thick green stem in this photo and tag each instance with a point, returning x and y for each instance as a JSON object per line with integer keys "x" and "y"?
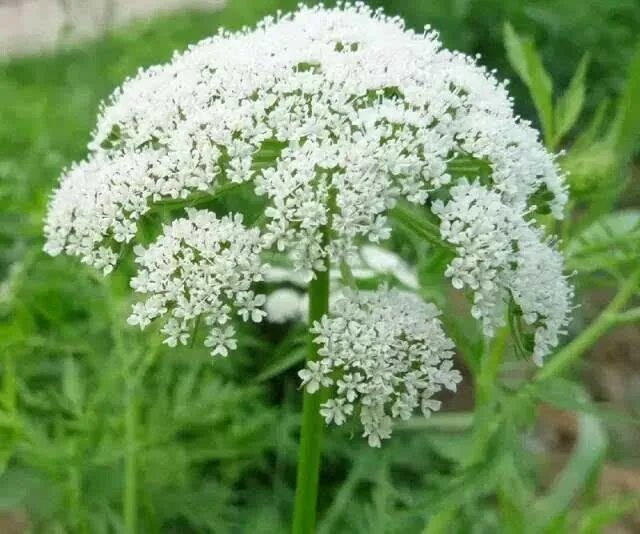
{"x": 304, "y": 516}
{"x": 587, "y": 338}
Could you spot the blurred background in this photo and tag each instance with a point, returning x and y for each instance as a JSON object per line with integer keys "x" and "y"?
{"x": 99, "y": 424}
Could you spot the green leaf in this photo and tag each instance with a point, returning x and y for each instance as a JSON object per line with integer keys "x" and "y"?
{"x": 568, "y": 395}
{"x": 72, "y": 387}
{"x": 443, "y": 422}
{"x": 453, "y": 447}
{"x": 420, "y": 223}
{"x": 583, "y": 464}
{"x": 344, "y": 496}
{"x": 516, "y": 53}
{"x": 524, "y": 58}
{"x": 625, "y": 130}
{"x": 289, "y": 352}
{"x": 281, "y": 365}
{"x": 570, "y": 104}
{"x": 593, "y": 130}
{"x": 469, "y": 484}
{"x": 440, "y": 523}
{"x": 470, "y": 167}
{"x": 514, "y": 497}
{"x": 611, "y": 243}
{"x": 487, "y": 425}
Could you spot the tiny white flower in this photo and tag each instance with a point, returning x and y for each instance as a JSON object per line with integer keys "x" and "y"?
{"x": 222, "y": 341}
{"x": 335, "y": 411}
{"x": 314, "y": 376}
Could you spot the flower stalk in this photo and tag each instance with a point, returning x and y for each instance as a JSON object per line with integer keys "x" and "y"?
{"x": 311, "y": 430}
{"x": 490, "y": 367}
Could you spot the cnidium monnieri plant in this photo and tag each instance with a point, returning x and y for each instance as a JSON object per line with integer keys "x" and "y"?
{"x": 327, "y": 123}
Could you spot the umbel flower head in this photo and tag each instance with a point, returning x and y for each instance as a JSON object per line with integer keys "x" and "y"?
{"x": 327, "y": 118}
{"x": 391, "y": 355}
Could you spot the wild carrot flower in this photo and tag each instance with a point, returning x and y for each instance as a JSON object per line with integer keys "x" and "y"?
{"x": 328, "y": 118}
{"x": 200, "y": 266}
{"x": 386, "y": 351}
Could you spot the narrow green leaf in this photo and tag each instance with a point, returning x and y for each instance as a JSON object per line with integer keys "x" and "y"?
{"x": 625, "y": 130}
{"x": 541, "y": 90}
{"x": 515, "y": 53}
{"x": 420, "y": 223}
{"x": 481, "y": 479}
{"x": 281, "y": 365}
{"x": 450, "y": 446}
{"x": 515, "y": 493}
{"x": 524, "y": 58}
{"x": 487, "y": 424}
{"x": 445, "y": 421}
{"x": 71, "y": 383}
{"x": 512, "y": 512}
{"x": 345, "y": 494}
{"x": 593, "y": 130}
{"x": 571, "y": 102}
{"x": 290, "y": 351}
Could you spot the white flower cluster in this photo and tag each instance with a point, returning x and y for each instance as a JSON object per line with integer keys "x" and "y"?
{"x": 329, "y": 117}
{"x": 500, "y": 256}
{"x": 104, "y": 196}
{"x": 200, "y": 266}
{"x": 387, "y": 355}
{"x": 337, "y": 107}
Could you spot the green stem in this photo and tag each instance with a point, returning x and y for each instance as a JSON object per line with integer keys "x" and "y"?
{"x": 127, "y": 359}
{"x": 346, "y": 276}
{"x": 588, "y": 337}
{"x": 486, "y": 381}
{"x": 304, "y": 515}
{"x": 629, "y": 316}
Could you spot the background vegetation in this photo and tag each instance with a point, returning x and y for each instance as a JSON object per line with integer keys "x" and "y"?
{"x": 105, "y": 430}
